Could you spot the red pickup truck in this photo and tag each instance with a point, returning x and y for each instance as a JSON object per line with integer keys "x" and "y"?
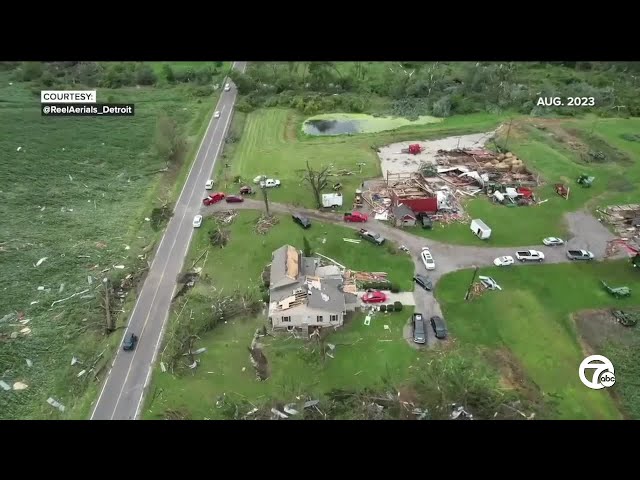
{"x": 355, "y": 217}
{"x": 213, "y": 198}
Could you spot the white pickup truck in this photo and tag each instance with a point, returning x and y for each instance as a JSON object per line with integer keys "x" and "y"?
{"x": 269, "y": 183}
{"x": 530, "y": 256}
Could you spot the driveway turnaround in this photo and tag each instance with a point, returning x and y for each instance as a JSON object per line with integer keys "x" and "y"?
{"x": 122, "y": 393}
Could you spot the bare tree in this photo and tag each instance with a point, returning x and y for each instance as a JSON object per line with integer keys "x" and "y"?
{"x": 265, "y": 196}
{"x": 317, "y": 179}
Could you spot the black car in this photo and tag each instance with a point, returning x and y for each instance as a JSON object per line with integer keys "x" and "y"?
{"x": 130, "y": 342}
{"x": 440, "y": 329}
{"x": 419, "y": 331}
{"x": 423, "y": 281}
{"x": 304, "y": 222}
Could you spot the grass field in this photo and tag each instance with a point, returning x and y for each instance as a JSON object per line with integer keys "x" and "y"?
{"x": 617, "y": 181}
{"x": 77, "y": 193}
{"x": 531, "y": 317}
{"x": 271, "y": 143}
{"x": 184, "y": 66}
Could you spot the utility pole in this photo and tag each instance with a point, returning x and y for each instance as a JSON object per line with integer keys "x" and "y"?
{"x": 473, "y": 279}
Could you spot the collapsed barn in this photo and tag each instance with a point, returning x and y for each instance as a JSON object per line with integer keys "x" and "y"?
{"x": 437, "y": 189}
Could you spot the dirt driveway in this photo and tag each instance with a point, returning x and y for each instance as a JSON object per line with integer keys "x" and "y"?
{"x": 586, "y": 233}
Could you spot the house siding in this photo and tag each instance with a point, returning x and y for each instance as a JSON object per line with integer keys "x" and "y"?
{"x": 306, "y": 320}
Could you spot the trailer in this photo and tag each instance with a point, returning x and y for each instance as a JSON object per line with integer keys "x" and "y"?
{"x": 480, "y": 229}
{"x": 331, "y": 200}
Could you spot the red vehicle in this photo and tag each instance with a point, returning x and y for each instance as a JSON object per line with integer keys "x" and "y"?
{"x": 234, "y": 199}
{"x": 213, "y": 198}
{"x": 355, "y": 217}
{"x": 374, "y": 296}
{"x": 246, "y": 190}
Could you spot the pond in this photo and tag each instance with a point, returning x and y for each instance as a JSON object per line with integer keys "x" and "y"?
{"x": 353, "y": 123}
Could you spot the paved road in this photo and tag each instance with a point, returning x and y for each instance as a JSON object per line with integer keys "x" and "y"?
{"x": 123, "y": 391}
{"x": 586, "y": 233}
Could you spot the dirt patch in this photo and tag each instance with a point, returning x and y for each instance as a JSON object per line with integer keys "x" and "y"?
{"x": 512, "y": 373}
{"x": 599, "y": 327}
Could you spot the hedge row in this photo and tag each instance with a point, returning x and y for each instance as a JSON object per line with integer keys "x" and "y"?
{"x": 380, "y": 286}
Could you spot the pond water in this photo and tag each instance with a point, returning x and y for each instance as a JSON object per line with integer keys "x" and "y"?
{"x": 353, "y": 123}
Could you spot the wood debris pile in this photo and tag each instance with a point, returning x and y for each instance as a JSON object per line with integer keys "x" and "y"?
{"x": 477, "y": 289}
{"x": 623, "y": 218}
{"x": 265, "y": 223}
{"x": 226, "y": 216}
{"x": 365, "y": 276}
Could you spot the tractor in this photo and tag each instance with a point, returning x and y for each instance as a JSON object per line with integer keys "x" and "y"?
{"x": 617, "y": 292}
{"x": 585, "y": 180}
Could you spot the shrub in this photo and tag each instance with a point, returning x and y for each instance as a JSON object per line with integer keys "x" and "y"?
{"x": 394, "y": 289}
{"x": 383, "y": 308}
{"x": 397, "y": 306}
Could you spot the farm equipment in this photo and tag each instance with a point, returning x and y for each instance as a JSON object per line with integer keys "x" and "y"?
{"x": 585, "y": 180}
{"x": 562, "y": 190}
{"x": 357, "y": 201}
{"x": 413, "y": 149}
{"x": 617, "y": 292}
{"x": 628, "y": 319}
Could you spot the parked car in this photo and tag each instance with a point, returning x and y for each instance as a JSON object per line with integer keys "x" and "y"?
{"x": 234, "y": 199}
{"x": 423, "y": 281}
{"x": 208, "y": 185}
{"x": 374, "y": 296}
{"x": 301, "y": 220}
{"x": 426, "y": 222}
{"x": 552, "y": 241}
{"x": 355, "y": 217}
{"x": 419, "y": 330}
{"x": 213, "y": 198}
{"x": 130, "y": 342}
{"x": 227, "y": 87}
{"x": 269, "y": 183}
{"x": 216, "y": 115}
{"x": 504, "y": 261}
{"x": 439, "y": 328}
{"x": 579, "y": 255}
{"x": 246, "y": 190}
{"x": 197, "y": 221}
{"x": 427, "y": 259}
{"x": 370, "y": 236}
{"x": 530, "y": 256}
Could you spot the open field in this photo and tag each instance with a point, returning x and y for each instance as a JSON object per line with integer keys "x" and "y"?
{"x": 272, "y": 144}
{"x": 532, "y": 318}
{"x": 617, "y": 179}
{"x": 194, "y": 66}
{"x": 95, "y": 181}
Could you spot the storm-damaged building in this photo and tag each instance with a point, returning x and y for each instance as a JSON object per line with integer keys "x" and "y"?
{"x": 305, "y": 295}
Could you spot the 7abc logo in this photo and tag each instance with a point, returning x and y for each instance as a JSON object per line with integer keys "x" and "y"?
{"x": 603, "y": 375}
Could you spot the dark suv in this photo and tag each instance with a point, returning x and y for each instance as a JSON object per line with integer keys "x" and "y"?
{"x": 130, "y": 342}
{"x": 440, "y": 329}
{"x": 419, "y": 332}
{"x": 301, "y": 220}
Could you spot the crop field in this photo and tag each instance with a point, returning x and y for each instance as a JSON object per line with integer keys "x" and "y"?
{"x": 271, "y": 143}
{"x": 74, "y": 200}
{"x": 532, "y": 318}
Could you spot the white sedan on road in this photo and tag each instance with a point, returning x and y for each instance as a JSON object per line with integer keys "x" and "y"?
{"x": 427, "y": 259}
{"x": 504, "y": 261}
{"x": 197, "y": 221}
{"x": 552, "y": 241}
{"x": 216, "y": 115}
{"x": 208, "y": 185}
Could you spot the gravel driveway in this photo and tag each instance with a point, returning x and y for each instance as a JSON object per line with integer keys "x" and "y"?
{"x": 586, "y": 233}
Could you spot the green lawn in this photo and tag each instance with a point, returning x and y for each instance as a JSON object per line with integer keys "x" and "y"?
{"x": 531, "y": 317}
{"x": 247, "y": 253}
{"x": 272, "y": 143}
{"x": 363, "y": 357}
{"x": 77, "y": 193}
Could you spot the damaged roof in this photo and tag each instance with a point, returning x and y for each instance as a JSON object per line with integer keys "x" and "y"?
{"x": 402, "y": 211}
{"x": 288, "y": 266}
{"x": 329, "y": 297}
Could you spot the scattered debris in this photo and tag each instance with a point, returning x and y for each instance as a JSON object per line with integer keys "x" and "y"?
{"x": 41, "y": 288}
{"x": 18, "y": 149}
{"x": 64, "y": 299}
{"x": 163, "y": 367}
{"x": 350, "y": 240}
{"x": 459, "y": 412}
{"x": 194, "y": 364}
{"x": 489, "y": 283}
{"x": 34, "y": 302}
{"x": 81, "y": 373}
{"x": 29, "y": 363}
{"x": 119, "y": 267}
{"x": 61, "y": 288}
{"x": 290, "y": 410}
{"x": 5, "y": 386}
{"x": 200, "y": 350}
{"x": 278, "y": 413}
{"x": 74, "y": 360}
{"x": 25, "y": 331}
{"x": 265, "y": 223}
{"x": 628, "y": 319}
{"x": 39, "y": 262}
{"x": 55, "y": 404}
{"x": 226, "y": 216}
